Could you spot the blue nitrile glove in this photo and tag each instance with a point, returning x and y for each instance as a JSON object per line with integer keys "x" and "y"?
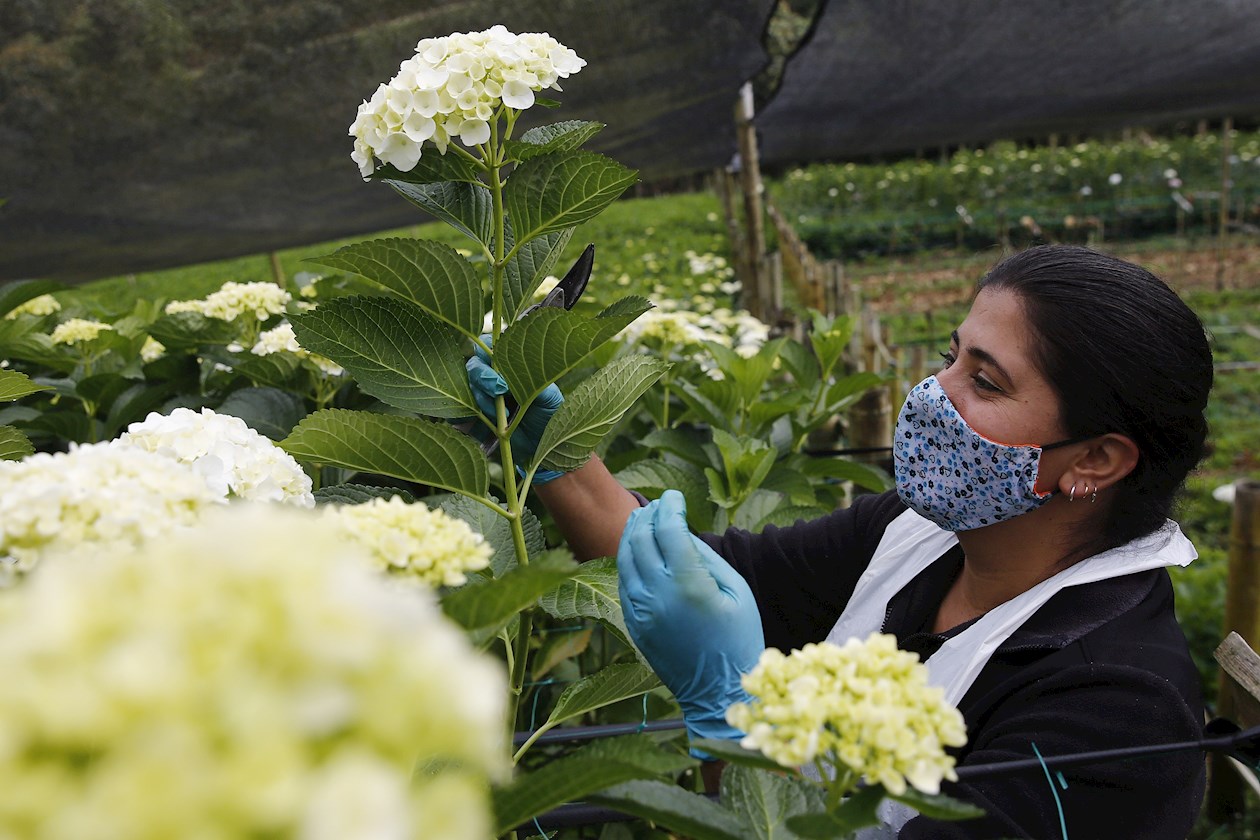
{"x": 486, "y": 384}
{"x": 690, "y": 613}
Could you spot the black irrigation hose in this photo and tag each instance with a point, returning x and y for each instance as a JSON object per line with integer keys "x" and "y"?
{"x": 1244, "y": 744}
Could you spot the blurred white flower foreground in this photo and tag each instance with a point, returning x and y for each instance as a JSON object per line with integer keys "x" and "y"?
{"x": 248, "y": 677}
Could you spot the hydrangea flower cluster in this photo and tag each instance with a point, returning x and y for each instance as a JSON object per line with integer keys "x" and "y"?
{"x": 152, "y": 349}
{"x": 91, "y": 498}
{"x": 251, "y": 677}
{"x": 232, "y": 300}
{"x": 229, "y": 456}
{"x": 865, "y": 706}
{"x": 683, "y": 330}
{"x": 77, "y": 330}
{"x": 281, "y": 339}
{"x": 453, "y": 87}
{"x": 37, "y": 306}
{"x": 414, "y": 541}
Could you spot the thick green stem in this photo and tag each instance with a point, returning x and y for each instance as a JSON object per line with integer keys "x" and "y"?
{"x": 520, "y": 647}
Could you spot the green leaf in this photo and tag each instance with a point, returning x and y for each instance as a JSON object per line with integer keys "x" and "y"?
{"x": 540, "y": 348}
{"x": 687, "y": 446}
{"x": 591, "y": 593}
{"x": 800, "y": 363}
{"x": 858, "y": 811}
{"x": 357, "y": 494}
{"x": 653, "y": 476}
{"x": 849, "y": 388}
{"x": 558, "y": 647}
{"x": 829, "y": 338}
{"x": 843, "y": 469}
{"x": 135, "y": 403}
{"x": 14, "y": 446}
{"x": 432, "y": 168}
{"x": 15, "y": 385}
{"x": 732, "y": 753}
{"x": 591, "y": 410}
{"x": 268, "y": 411}
{"x": 492, "y": 604}
{"x": 758, "y": 506}
{"x": 497, "y": 531}
{"x": 938, "y": 806}
{"x": 557, "y": 137}
{"x": 190, "y": 330}
{"x": 763, "y": 800}
{"x": 556, "y": 191}
{"x": 395, "y": 351}
{"x": 17, "y": 292}
{"x": 614, "y": 683}
{"x": 466, "y": 207}
{"x": 594, "y": 767}
{"x": 690, "y": 814}
{"x": 529, "y": 266}
{"x": 275, "y": 370}
{"x": 433, "y": 276}
{"x": 424, "y": 451}
{"x": 102, "y": 389}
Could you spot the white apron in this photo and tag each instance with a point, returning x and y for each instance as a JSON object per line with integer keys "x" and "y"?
{"x": 912, "y": 543}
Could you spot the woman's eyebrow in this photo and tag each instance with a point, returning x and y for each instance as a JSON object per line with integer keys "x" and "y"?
{"x": 984, "y": 356}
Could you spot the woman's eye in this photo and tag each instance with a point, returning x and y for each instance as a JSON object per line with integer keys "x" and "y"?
{"x": 947, "y": 359}
{"x": 985, "y": 385}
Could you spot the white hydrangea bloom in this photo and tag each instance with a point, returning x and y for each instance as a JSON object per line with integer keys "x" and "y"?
{"x": 76, "y": 330}
{"x": 152, "y": 349}
{"x": 91, "y": 498}
{"x": 257, "y": 300}
{"x": 452, "y": 88}
{"x": 230, "y": 457}
{"x": 865, "y": 705}
{"x": 250, "y": 677}
{"x": 281, "y": 339}
{"x": 413, "y": 540}
{"x": 37, "y": 306}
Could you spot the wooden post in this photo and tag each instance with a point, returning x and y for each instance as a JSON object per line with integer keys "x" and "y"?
{"x": 1227, "y": 131}
{"x": 1242, "y": 616}
{"x": 870, "y": 419}
{"x": 725, "y": 181}
{"x": 277, "y": 272}
{"x": 750, "y": 178}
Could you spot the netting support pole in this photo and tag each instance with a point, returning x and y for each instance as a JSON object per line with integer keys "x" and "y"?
{"x": 750, "y": 180}
{"x": 1242, "y": 616}
{"x": 277, "y": 272}
{"x": 1222, "y": 227}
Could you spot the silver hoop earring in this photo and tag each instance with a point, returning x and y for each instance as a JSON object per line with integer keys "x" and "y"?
{"x": 1093, "y": 496}
{"x": 1072, "y": 493}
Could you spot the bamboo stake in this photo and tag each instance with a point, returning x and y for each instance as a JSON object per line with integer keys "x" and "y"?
{"x": 1242, "y": 616}
{"x": 1227, "y": 131}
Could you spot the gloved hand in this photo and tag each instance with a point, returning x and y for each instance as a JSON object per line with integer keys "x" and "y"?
{"x": 486, "y": 384}
{"x": 690, "y": 613}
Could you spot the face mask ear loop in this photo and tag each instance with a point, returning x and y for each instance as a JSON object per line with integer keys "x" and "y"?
{"x": 1069, "y": 441}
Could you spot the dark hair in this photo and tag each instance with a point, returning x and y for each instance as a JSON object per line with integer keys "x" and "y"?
{"x": 1125, "y": 355}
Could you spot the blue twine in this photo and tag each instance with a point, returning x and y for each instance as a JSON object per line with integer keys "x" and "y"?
{"x": 533, "y": 711}
{"x": 643, "y": 725}
{"x": 1062, "y": 781}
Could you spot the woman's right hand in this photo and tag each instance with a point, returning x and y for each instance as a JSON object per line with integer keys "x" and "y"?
{"x": 692, "y": 616}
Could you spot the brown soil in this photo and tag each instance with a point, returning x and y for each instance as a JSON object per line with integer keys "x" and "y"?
{"x": 932, "y": 281}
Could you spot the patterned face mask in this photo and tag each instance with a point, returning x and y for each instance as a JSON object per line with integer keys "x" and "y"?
{"x": 949, "y": 473}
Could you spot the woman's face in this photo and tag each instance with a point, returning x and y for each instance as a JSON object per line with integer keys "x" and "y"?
{"x": 990, "y": 378}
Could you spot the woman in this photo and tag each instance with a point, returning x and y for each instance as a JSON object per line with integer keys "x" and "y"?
{"x": 1022, "y": 555}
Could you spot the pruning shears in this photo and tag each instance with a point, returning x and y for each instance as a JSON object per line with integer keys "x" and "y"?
{"x": 564, "y": 296}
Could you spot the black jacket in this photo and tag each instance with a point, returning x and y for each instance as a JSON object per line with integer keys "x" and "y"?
{"x": 1099, "y": 666}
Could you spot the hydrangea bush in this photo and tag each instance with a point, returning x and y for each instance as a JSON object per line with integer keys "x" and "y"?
{"x": 250, "y": 677}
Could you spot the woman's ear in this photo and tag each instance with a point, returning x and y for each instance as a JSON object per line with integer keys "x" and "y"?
{"x": 1106, "y": 461}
